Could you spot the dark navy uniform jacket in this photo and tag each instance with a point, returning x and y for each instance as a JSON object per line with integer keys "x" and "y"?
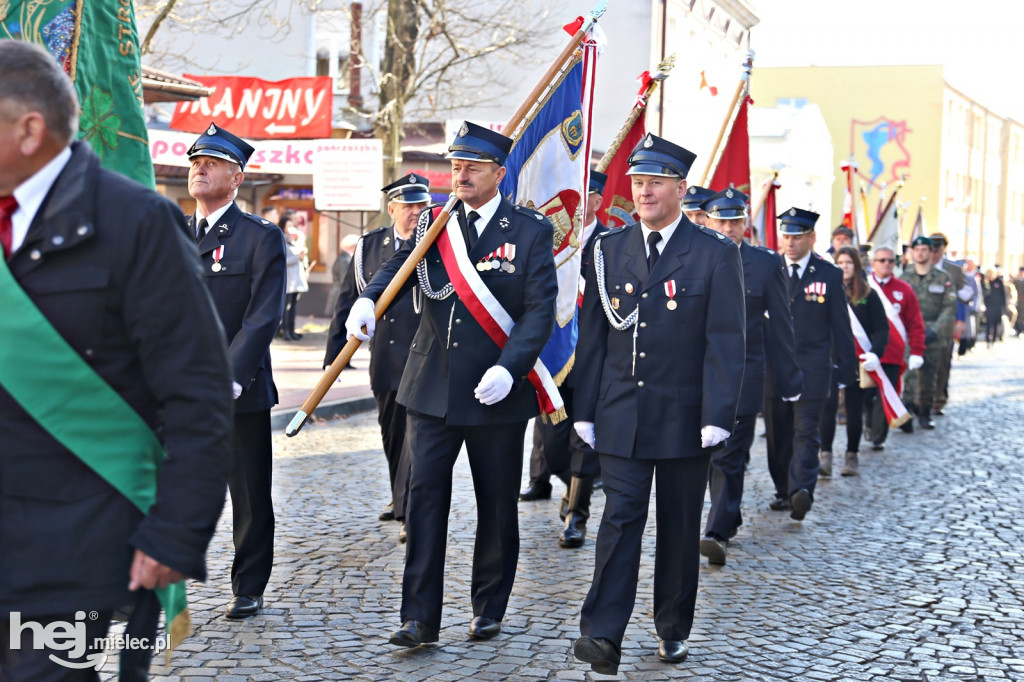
{"x": 764, "y": 282}
{"x": 821, "y": 322}
{"x": 688, "y": 371}
{"x": 389, "y": 346}
{"x": 248, "y": 291}
{"x": 451, "y": 351}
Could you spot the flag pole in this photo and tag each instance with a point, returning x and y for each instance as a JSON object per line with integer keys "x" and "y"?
{"x": 742, "y": 90}
{"x": 638, "y": 110}
{"x": 888, "y": 204}
{"x": 532, "y": 100}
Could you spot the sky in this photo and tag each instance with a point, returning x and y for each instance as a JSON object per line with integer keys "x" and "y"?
{"x": 979, "y": 42}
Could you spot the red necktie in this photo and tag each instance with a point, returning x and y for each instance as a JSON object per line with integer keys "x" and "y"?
{"x": 8, "y": 205}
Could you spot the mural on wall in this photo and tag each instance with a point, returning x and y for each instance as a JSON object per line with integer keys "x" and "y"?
{"x": 880, "y": 147}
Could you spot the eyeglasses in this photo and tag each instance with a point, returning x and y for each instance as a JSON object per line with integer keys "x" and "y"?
{"x": 885, "y": 260}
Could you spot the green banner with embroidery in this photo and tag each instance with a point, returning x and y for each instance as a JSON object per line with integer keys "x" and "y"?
{"x": 97, "y": 43}
{"x": 86, "y": 416}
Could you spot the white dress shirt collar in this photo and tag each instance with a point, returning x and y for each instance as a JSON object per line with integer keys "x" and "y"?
{"x": 665, "y": 232}
{"x": 31, "y": 194}
{"x": 802, "y": 265}
{"x": 486, "y": 212}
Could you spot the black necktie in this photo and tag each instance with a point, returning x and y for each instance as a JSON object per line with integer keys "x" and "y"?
{"x": 652, "y": 247}
{"x": 470, "y": 231}
{"x": 794, "y": 279}
{"x": 201, "y": 230}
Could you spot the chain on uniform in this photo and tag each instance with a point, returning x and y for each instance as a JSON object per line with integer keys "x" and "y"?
{"x": 357, "y": 263}
{"x": 618, "y": 322}
{"x": 422, "y": 225}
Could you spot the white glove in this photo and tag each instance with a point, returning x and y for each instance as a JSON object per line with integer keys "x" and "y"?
{"x": 915, "y": 362}
{"x": 840, "y": 386}
{"x": 711, "y": 436}
{"x": 495, "y": 384}
{"x": 360, "y": 316}
{"x": 793, "y": 399}
{"x": 236, "y": 390}
{"x": 585, "y": 430}
{"x": 870, "y": 361}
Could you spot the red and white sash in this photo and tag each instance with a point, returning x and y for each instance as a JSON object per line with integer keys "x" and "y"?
{"x": 895, "y": 324}
{"x": 490, "y": 315}
{"x": 895, "y": 412}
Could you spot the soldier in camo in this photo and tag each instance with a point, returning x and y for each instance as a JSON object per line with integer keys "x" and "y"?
{"x": 937, "y": 295}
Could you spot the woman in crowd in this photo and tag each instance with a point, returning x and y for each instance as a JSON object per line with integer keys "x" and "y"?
{"x": 867, "y": 308}
{"x": 297, "y": 264}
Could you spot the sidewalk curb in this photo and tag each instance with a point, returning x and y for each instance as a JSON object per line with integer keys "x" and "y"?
{"x": 280, "y": 418}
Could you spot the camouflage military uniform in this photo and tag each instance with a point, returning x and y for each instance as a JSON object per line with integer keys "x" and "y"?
{"x": 937, "y": 296}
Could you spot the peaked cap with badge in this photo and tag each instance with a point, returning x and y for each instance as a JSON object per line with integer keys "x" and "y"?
{"x": 476, "y": 143}
{"x": 797, "y": 221}
{"x": 411, "y": 189}
{"x": 729, "y": 204}
{"x": 221, "y": 144}
{"x": 695, "y": 196}
{"x": 597, "y": 182}
{"x": 657, "y": 156}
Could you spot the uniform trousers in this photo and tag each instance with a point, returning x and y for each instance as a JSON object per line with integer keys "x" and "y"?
{"x": 539, "y": 472}
{"x": 793, "y": 444}
{"x": 495, "y": 453}
{"x": 249, "y": 482}
{"x": 942, "y": 376}
{"x": 725, "y": 478}
{"x": 681, "y": 483}
{"x": 878, "y": 424}
{"x": 919, "y": 386}
{"x": 392, "y": 420}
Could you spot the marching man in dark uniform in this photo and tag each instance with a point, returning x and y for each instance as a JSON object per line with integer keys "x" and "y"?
{"x": 659, "y": 375}
{"x": 115, "y": 398}
{"x": 244, "y": 260}
{"x": 693, "y": 204}
{"x": 764, "y": 282}
{"x": 558, "y": 446}
{"x": 389, "y": 347}
{"x": 461, "y": 386}
{"x": 821, "y": 323}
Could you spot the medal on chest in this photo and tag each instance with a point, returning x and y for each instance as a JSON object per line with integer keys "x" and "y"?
{"x": 218, "y": 253}
{"x": 815, "y": 291}
{"x": 670, "y": 294}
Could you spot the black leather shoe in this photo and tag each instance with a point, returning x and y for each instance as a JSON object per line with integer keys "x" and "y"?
{"x": 673, "y": 651}
{"x": 800, "y": 501}
{"x": 939, "y": 412}
{"x": 714, "y": 550}
{"x": 907, "y": 426}
{"x": 926, "y": 421}
{"x": 602, "y": 655}
{"x": 483, "y": 627}
{"x": 574, "y": 533}
{"x": 242, "y": 606}
{"x": 779, "y": 503}
{"x": 389, "y": 513}
{"x": 402, "y": 536}
{"x": 413, "y": 633}
{"x": 536, "y": 491}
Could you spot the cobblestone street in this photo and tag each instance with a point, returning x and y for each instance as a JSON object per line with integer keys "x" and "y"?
{"x": 910, "y": 571}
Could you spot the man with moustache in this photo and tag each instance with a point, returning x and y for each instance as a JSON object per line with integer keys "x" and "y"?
{"x": 821, "y": 323}
{"x": 770, "y": 343}
{"x": 661, "y": 329}
{"x": 389, "y": 347}
{"x": 462, "y": 386}
{"x": 244, "y": 260}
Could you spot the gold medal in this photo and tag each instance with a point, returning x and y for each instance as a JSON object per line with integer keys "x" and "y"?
{"x": 483, "y": 266}
{"x": 215, "y": 267}
{"x": 821, "y": 299}
{"x": 671, "y": 305}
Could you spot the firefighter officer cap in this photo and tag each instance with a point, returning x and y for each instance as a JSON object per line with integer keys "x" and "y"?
{"x": 657, "y": 156}
{"x": 220, "y": 144}
{"x": 797, "y": 221}
{"x": 476, "y": 143}
{"x": 729, "y": 204}
{"x": 412, "y": 189}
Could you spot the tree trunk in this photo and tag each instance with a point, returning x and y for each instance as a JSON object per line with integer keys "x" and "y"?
{"x": 398, "y": 70}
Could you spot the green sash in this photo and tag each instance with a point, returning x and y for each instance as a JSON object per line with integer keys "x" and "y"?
{"x": 86, "y": 416}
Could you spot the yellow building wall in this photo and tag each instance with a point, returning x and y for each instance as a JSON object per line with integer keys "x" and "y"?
{"x": 888, "y": 118}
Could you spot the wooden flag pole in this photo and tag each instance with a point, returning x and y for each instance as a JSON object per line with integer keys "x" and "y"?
{"x": 331, "y": 374}
{"x": 742, "y": 89}
{"x": 636, "y": 112}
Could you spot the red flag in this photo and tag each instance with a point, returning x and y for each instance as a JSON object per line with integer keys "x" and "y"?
{"x": 617, "y": 200}
{"x": 733, "y": 169}
{"x": 769, "y": 232}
